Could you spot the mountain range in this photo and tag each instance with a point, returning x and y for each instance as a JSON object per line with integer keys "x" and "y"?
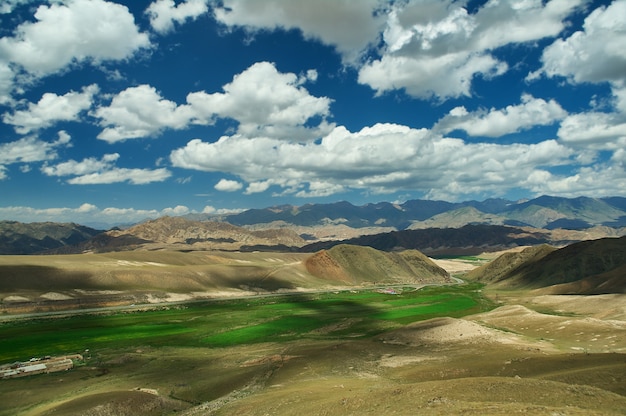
{"x": 543, "y": 212}
{"x": 433, "y": 227}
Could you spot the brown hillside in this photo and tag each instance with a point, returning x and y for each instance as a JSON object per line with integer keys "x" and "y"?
{"x": 506, "y": 264}
{"x": 186, "y": 234}
{"x": 587, "y": 267}
{"x": 358, "y": 265}
{"x": 613, "y": 281}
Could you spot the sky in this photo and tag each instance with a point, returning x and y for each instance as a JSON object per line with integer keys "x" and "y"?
{"x": 114, "y": 112}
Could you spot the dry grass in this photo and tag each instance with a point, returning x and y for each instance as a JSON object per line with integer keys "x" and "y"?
{"x": 535, "y": 354}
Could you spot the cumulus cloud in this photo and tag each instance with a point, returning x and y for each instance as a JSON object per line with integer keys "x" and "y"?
{"x": 116, "y": 175}
{"x": 31, "y": 149}
{"x": 595, "y": 54}
{"x": 382, "y": 158}
{"x": 50, "y": 109}
{"x": 164, "y": 13}
{"x": 6, "y": 82}
{"x": 349, "y": 26}
{"x": 261, "y": 99}
{"x": 266, "y": 102}
{"x": 140, "y": 112}
{"x": 227, "y": 185}
{"x": 600, "y": 180}
{"x": 434, "y": 48}
{"x": 511, "y": 119}
{"x": 209, "y": 209}
{"x": 106, "y": 30}
{"x": 595, "y": 130}
{"x": 86, "y": 213}
{"x": 92, "y": 171}
{"x": 88, "y": 165}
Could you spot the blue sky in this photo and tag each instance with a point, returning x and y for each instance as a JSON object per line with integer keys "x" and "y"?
{"x": 119, "y": 111}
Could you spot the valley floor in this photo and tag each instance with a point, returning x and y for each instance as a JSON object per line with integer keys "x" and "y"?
{"x": 538, "y": 355}
{"x": 531, "y": 354}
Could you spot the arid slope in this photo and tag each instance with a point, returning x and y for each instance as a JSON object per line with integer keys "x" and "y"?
{"x": 588, "y": 267}
{"x": 359, "y": 265}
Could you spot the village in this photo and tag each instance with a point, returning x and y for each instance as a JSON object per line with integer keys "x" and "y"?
{"x": 42, "y": 365}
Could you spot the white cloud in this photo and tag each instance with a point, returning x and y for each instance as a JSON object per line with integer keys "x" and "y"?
{"x": 381, "y": 158}
{"x": 116, "y": 175}
{"x": 91, "y": 215}
{"x": 262, "y": 100}
{"x": 596, "y": 181}
{"x": 163, "y": 13}
{"x": 221, "y": 211}
{"x": 350, "y": 26}
{"x": 265, "y": 102}
{"x": 177, "y": 211}
{"x": 140, "y": 112}
{"x": 88, "y": 214}
{"x": 6, "y": 82}
{"x": 445, "y": 76}
{"x": 435, "y": 48}
{"x": 227, "y": 185}
{"x": 511, "y": 119}
{"x": 86, "y": 166}
{"x": 31, "y": 149}
{"x": 106, "y": 31}
{"x": 602, "y": 131}
{"x": 91, "y": 171}
{"x": 258, "y": 187}
{"x": 596, "y": 53}
{"x": 50, "y": 109}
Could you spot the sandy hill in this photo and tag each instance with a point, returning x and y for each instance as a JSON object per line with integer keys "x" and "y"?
{"x": 588, "y": 267}
{"x": 179, "y": 233}
{"x": 56, "y": 282}
{"x": 358, "y": 265}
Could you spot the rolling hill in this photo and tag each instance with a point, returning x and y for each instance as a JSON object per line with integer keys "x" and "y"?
{"x": 588, "y": 267}
{"x": 359, "y": 265}
{"x": 60, "y": 282}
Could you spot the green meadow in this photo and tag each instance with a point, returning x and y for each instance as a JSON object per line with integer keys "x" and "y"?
{"x": 224, "y": 323}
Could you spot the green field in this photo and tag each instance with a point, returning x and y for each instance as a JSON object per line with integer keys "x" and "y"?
{"x": 227, "y": 323}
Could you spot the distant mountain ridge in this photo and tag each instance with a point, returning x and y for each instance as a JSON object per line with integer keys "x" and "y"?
{"x": 469, "y": 239}
{"x": 429, "y": 226}
{"x": 542, "y": 212}
{"x": 22, "y": 238}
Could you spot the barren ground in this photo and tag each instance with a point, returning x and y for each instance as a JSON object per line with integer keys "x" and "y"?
{"x": 537, "y": 355}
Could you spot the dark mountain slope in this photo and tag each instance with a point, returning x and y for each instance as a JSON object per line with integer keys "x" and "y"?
{"x": 470, "y": 239}
{"x": 29, "y": 238}
{"x": 594, "y": 266}
{"x": 507, "y": 264}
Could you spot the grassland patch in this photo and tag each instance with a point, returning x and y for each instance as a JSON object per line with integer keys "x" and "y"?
{"x": 238, "y": 322}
